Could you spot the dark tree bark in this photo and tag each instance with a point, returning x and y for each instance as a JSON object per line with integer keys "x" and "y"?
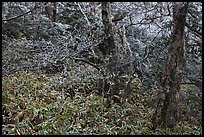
{"x": 168, "y": 116}
{"x": 54, "y": 11}
{"x": 108, "y": 43}
{"x": 107, "y": 47}
{"x": 51, "y": 11}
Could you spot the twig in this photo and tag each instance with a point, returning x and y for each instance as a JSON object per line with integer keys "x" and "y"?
{"x": 193, "y": 29}
{"x": 88, "y": 62}
{"x": 126, "y": 91}
{"x": 83, "y": 13}
{"x": 12, "y": 18}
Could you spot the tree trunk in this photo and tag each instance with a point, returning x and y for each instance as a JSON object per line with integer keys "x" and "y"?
{"x": 176, "y": 62}
{"x": 54, "y": 11}
{"x": 108, "y": 50}
{"x": 108, "y": 44}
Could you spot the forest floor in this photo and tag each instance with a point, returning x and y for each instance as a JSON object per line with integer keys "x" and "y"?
{"x": 34, "y": 103}
{"x": 41, "y": 102}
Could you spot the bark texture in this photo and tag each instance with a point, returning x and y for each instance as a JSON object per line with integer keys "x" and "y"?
{"x": 108, "y": 44}
{"x": 108, "y": 49}
{"x": 176, "y": 62}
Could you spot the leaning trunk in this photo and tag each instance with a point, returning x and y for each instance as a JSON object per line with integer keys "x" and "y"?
{"x": 176, "y": 62}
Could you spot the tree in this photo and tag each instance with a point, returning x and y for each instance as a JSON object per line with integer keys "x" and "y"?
{"x": 109, "y": 44}
{"x": 175, "y": 65}
{"x": 109, "y": 50}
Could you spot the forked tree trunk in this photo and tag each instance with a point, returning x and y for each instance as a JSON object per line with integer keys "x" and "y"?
{"x": 168, "y": 116}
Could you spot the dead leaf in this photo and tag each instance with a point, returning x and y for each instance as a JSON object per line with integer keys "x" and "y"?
{"x": 19, "y": 116}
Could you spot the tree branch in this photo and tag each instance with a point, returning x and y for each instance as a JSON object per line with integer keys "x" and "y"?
{"x": 193, "y": 29}
{"x": 12, "y": 18}
{"x": 88, "y": 62}
{"x": 77, "y": 3}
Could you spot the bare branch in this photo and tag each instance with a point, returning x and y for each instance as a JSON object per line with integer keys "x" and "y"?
{"x": 193, "y": 29}
{"x": 20, "y": 15}
{"x": 77, "y": 3}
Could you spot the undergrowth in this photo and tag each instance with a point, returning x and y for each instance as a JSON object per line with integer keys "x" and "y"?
{"x": 29, "y": 107}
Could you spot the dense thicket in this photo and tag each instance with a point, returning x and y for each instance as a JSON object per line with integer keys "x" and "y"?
{"x": 142, "y": 59}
